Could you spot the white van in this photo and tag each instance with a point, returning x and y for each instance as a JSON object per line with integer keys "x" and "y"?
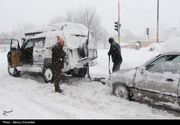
{"x": 35, "y": 53}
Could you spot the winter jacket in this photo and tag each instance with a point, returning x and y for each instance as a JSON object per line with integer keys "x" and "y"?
{"x": 58, "y": 56}
{"x": 115, "y": 52}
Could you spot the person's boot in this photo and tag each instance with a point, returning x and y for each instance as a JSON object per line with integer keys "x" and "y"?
{"x": 57, "y": 89}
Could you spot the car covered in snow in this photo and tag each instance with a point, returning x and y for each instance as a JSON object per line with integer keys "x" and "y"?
{"x": 35, "y": 54}
{"x": 156, "y": 81}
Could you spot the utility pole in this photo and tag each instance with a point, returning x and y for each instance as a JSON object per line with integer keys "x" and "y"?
{"x": 119, "y": 22}
{"x": 157, "y": 37}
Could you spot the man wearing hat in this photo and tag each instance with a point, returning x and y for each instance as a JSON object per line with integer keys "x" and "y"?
{"x": 115, "y": 52}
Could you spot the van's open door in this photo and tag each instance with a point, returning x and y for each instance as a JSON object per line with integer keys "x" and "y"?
{"x": 14, "y": 55}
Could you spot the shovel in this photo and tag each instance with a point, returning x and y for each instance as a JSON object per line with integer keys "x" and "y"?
{"x": 109, "y": 68}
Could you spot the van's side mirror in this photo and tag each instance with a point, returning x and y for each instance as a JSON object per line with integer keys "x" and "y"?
{"x": 14, "y": 46}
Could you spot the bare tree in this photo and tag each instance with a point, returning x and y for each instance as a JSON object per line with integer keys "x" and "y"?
{"x": 56, "y": 20}
{"x": 88, "y": 17}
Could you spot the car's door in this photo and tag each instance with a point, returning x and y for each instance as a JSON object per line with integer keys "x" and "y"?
{"x": 158, "y": 80}
{"x": 38, "y": 51}
{"x": 14, "y": 55}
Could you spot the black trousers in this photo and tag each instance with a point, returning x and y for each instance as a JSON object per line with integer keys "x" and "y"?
{"x": 116, "y": 66}
{"x": 57, "y": 74}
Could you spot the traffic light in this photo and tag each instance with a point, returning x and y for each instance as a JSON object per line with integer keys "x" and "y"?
{"x": 117, "y": 26}
{"x": 147, "y": 31}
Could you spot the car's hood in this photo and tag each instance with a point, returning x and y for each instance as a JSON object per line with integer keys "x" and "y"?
{"x": 124, "y": 76}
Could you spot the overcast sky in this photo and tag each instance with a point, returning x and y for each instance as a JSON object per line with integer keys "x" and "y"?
{"x": 136, "y": 15}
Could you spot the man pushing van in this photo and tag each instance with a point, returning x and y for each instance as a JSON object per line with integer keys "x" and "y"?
{"x": 58, "y": 56}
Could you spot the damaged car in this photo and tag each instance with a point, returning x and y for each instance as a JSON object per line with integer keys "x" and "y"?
{"x": 35, "y": 54}
{"x": 157, "y": 81}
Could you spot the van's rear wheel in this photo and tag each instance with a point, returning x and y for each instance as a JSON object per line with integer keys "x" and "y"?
{"x": 13, "y": 71}
{"x": 48, "y": 74}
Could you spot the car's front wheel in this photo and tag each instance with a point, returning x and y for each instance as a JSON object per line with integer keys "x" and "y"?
{"x": 48, "y": 74}
{"x": 121, "y": 90}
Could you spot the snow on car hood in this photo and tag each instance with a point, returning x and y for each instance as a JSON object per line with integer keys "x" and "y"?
{"x": 124, "y": 76}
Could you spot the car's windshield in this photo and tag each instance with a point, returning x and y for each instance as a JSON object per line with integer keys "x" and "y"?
{"x": 166, "y": 63}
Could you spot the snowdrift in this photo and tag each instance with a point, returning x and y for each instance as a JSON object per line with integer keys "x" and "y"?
{"x": 172, "y": 44}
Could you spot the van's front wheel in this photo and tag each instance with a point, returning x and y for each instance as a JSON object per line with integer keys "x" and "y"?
{"x": 13, "y": 71}
{"x": 48, "y": 74}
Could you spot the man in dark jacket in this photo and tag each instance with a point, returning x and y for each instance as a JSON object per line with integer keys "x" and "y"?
{"x": 58, "y": 56}
{"x": 115, "y": 52}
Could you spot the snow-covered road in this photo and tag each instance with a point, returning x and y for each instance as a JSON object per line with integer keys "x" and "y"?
{"x": 30, "y": 98}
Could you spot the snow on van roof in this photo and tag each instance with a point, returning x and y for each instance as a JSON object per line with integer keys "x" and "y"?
{"x": 74, "y": 34}
{"x": 172, "y": 44}
{"x": 71, "y": 28}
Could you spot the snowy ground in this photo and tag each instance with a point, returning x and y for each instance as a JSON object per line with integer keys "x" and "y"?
{"x": 30, "y": 98}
